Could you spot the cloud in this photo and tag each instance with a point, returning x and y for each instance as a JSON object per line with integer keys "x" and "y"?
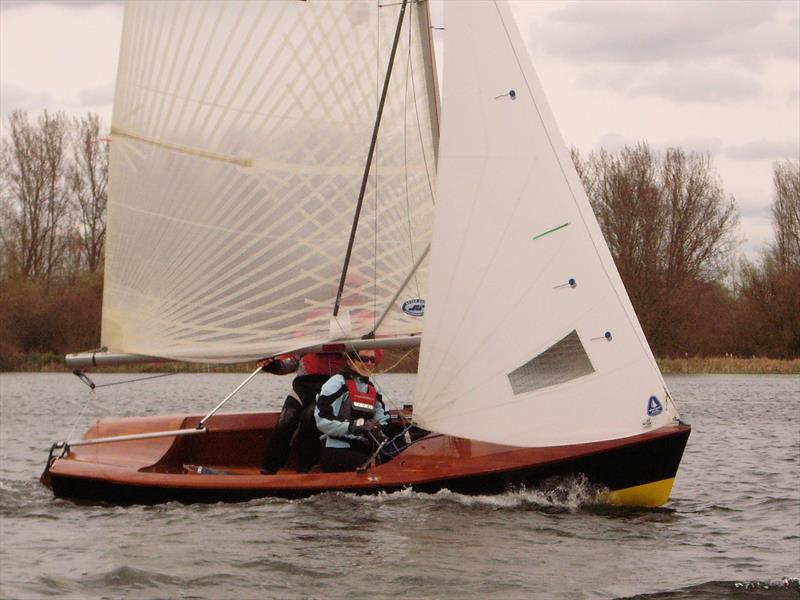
{"x": 693, "y": 83}
{"x": 100, "y": 94}
{"x": 764, "y": 150}
{"x": 59, "y": 56}
{"x": 14, "y": 97}
{"x": 614, "y": 142}
{"x": 707, "y": 52}
{"x": 644, "y": 32}
{"x": 754, "y": 207}
{"x": 7, "y": 5}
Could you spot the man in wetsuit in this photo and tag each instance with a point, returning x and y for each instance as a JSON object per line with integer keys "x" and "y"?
{"x": 297, "y": 413}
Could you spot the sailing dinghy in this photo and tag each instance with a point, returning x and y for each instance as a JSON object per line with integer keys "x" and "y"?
{"x": 246, "y": 135}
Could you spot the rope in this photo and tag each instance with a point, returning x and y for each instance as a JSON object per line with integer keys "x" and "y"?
{"x": 83, "y": 377}
{"x": 392, "y": 453}
{"x": 77, "y": 420}
{"x": 394, "y": 366}
{"x": 137, "y": 379}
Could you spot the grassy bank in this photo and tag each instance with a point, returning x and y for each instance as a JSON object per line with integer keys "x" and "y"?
{"x": 397, "y": 361}
{"x": 726, "y": 364}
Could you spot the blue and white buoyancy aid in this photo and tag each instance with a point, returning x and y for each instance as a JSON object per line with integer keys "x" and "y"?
{"x": 342, "y": 400}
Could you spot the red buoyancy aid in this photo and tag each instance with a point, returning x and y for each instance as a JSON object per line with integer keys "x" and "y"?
{"x": 360, "y": 404}
{"x": 321, "y": 364}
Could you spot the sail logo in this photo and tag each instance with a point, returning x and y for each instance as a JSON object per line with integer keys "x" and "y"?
{"x": 414, "y": 307}
{"x": 654, "y": 407}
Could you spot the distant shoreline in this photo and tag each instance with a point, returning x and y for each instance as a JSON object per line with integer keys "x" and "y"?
{"x": 399, "y": 362}
{"x": 729, "y": 365}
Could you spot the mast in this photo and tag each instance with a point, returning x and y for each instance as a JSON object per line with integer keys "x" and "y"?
{"x": 370, "y": 155}
{"x": 434, "y": 106}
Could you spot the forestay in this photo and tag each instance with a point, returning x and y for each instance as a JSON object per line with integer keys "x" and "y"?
{"x": 530, "y": 338}
{"x": 240, "y": 134}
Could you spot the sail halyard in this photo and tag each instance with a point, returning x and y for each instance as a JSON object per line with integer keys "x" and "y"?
{"x": 239, "y": 144}
{"x": 530, "y": 339}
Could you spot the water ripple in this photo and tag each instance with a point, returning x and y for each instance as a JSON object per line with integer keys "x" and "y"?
{"x": 731, "y": 529}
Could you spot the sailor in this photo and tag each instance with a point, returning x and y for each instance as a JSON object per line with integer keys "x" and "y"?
{"x": 297, "y": 414}
{"x": 351, "y": 414}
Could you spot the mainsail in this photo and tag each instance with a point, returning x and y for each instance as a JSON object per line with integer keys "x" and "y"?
{"x": 530, "y": 338}
{"x": 240, "y": 133}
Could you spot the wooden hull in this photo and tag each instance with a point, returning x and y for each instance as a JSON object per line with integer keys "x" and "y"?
{"x": 638, "y": 470}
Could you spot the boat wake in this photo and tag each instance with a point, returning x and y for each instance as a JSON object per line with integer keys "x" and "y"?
{"x": 563, "y": 494}
{"x": 787, "y": 588}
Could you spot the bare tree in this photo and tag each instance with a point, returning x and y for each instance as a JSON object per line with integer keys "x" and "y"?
{"x": 786, "y": 214}
{"x": 669, "y": 226}
{"x": 34, "y": 196}
{"x": 625, "y": 194}
{"x": 769, "y": 295}
{"x": 88, "y": 181}
{"x": 701, "y": 218}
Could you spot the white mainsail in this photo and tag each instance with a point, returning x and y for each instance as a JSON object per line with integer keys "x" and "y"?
{"x": 530, "y": 338}
{"x": 240, "y": 133}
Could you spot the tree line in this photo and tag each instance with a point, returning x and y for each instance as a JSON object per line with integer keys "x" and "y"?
{"x": 53, "y": 194}
{"x": 672, "y": 231}
{"x": 666, "y": 217}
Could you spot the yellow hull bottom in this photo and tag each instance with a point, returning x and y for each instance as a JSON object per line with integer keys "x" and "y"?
{"x": 648, "y": 495}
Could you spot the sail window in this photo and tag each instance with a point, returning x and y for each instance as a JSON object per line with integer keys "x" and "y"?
{"x": 563, "y": 361}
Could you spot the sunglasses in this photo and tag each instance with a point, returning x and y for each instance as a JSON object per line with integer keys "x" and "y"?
{"x": 366, "y": 359}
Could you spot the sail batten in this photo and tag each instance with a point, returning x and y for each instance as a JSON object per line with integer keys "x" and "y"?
{"x": 242, "y": 161}
{"x": 240, "y": 131}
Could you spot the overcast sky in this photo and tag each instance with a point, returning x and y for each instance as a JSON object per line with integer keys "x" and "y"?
{"x": 720, "y": 76}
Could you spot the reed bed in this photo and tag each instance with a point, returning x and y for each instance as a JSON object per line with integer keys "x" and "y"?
{"x": 730, "y": 364}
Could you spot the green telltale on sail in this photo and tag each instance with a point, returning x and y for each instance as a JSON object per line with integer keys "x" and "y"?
{"x": 544, "y": 233}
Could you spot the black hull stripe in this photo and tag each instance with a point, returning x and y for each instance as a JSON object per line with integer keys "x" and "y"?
{"x": 619, "y": 468}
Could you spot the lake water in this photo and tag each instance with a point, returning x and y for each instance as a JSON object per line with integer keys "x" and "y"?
{"x": 730, "y": 530}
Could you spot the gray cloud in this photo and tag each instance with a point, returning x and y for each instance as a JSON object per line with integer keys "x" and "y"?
{"x": 754, "y": 207}
{"x": 13, "y": 97}
{"x": 688, "y": 83}
{"x": 720, "y": 85}
{"x": 765, "y": 150}
{"x": 614, "y": 142}
{"x": 637, "y": 32}
{"x": 80, "y": 4}
{"x": 101, "y": 94}
{"x": 710, "y": 52}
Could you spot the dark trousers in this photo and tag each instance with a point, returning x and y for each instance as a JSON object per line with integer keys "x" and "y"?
{"x": 334, "y": 460}
{"x": 296, "y": 417}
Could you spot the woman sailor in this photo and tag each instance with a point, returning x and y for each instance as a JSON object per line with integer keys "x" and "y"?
{"x": 351, "y": 414}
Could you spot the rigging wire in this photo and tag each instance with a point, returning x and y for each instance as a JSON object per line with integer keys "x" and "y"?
{"x": 370, "y": 156}
{"x": 405, "y": 158}
{"x": 136, "y": 379}
{"x": 398, "y": 408}
{"x": 419, "y": 131}
{"x": 377, "y": 165}
{"x": 85, "y": 378}
{"x": 86, "y": 403}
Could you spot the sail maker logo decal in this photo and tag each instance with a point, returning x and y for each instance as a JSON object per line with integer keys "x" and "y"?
{"x": 414, "y": 307}
{"x": 654, "y": 407}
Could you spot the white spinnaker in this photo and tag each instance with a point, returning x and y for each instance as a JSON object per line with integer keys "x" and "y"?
{"x": 497, "y": 297}
{"x": 240, "y": 135}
